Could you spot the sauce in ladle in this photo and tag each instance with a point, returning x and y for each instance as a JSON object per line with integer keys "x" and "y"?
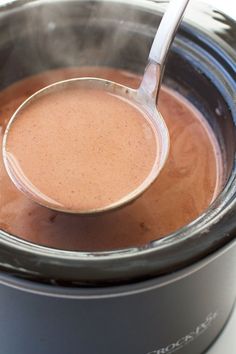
{"x": 80, "y": 149}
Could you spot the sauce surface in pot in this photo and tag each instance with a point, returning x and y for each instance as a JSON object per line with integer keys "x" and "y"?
{"x": 188, "y": 183}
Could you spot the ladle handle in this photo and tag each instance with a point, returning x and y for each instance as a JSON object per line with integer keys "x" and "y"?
{"x": 167, "y": 30}
{"x": 164, "y": 36}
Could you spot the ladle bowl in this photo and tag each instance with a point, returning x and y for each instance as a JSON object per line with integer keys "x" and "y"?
{"x": 144, "y": 102}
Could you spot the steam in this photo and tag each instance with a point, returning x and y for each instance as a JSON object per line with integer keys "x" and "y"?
{"x": 43, "y": 35}
{"x": 84, "y": 33}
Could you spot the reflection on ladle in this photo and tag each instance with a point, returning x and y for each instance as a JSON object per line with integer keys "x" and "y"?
{"x": 91, "y": 145}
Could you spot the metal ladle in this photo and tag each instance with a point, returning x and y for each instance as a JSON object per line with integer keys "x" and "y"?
{"x": 145, "y": 97}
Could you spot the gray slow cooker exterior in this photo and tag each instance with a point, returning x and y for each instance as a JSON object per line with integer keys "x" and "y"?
{"x": 183, "y": 311}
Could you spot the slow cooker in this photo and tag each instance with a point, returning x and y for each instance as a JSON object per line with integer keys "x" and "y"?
{"x": 171, "y": 295}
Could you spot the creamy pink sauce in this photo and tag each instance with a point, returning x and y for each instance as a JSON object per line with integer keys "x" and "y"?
{"x": 189, "y": 181}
